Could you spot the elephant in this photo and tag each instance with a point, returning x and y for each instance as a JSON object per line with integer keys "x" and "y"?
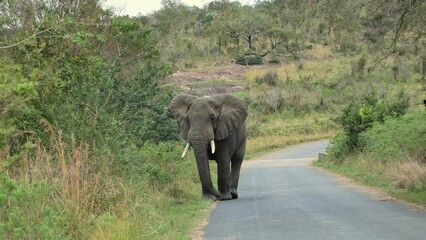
{"x": 215, "y": 128}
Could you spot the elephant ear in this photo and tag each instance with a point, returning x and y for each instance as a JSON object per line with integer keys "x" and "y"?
{"x": 232, "y": 114}
{"x": 179, "y": 107}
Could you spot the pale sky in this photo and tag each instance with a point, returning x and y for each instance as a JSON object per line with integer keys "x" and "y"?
{"x": 134, "y": 7}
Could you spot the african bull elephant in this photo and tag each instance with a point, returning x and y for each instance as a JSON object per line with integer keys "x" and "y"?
{"x": 215, "y": 128}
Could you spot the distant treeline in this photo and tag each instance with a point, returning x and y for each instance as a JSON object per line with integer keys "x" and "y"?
{"x": 274, "y": 28}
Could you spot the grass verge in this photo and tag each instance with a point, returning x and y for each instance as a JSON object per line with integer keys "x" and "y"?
{"x": 167, "y": 205}
{"x": 160, "y": 218}
{"x": 367, "y": 170}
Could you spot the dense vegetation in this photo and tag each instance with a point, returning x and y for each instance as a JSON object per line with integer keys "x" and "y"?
{"x": 82, "y": 105}
{"x": 88, "y": 151}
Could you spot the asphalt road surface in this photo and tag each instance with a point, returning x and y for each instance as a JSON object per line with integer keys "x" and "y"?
{"x": 281, "y": 197}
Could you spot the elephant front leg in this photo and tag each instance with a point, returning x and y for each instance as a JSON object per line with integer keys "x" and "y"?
{"x": 235, "y": 175}
{"x": 209, "y": 196}
{"x": 236, "y": 162}
{"x": 223, "y": 174}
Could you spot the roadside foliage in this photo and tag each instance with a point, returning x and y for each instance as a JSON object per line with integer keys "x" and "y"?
{"x": 88, "y": 151}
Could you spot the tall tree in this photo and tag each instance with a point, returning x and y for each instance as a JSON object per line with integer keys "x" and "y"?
{"x": 252, "y": 23}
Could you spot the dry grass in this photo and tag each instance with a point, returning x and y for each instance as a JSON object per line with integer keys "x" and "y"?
{"x": 326, "y": 69}
{"x": 283, "y": 71}
{"x": 78, "y": 188}
{"x": 320, "y": 52}
{"x": 320, "y": 64}
{"x": 304, "y": 125}
{"x": 409, "y": 174}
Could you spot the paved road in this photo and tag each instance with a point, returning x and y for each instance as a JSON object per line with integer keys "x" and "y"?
{"x": 282, "y": 198}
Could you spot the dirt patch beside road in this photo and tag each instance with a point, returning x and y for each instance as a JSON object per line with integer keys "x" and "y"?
{"x": 227, "y": 79}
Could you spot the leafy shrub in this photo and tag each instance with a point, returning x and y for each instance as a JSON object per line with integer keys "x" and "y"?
{"x": 157, "y": 164}
{"x": 339, "y": 148}
{"x": 16, "y": 93}
{"x": 249, "y": 60}
{"x": 359, "y": 117}
{"x": 274, "y": 61}
{"x": 397, "y": 138}
{"x": 27, "y": 213}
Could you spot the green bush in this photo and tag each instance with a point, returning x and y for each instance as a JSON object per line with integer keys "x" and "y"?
{"x": 156, "y": 163}
{"x": 108, "y": 97}
{"x": 339, "y": 148}
{"x": 249, "y": 60}
{"x": 26, "y": 212}
{"x": 397, "y": 138}
{"x": 16, "y": 93}
{"x": 359, "y": 117}
{"x": 274, "y": 61}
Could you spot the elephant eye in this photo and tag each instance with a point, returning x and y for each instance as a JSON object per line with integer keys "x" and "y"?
{"x": 213, "y": 117}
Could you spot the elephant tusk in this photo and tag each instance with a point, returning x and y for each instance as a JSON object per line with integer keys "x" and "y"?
{"x": 185, "y": 151}
{"x": 213, "y": 146}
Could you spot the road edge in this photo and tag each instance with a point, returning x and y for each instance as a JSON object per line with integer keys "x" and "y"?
{"x": 198, "y": 232}
{"x": 375, "y": 193}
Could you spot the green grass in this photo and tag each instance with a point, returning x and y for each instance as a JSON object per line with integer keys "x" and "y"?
{"x": 416, "y": 197}
{"x": 366, "y": 172}
{"x": 164, "y": 219}
{"x": 152, "y": 210}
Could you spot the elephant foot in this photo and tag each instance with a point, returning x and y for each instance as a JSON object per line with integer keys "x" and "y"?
{"x": 208, "y": 196}
{"x": 234, "y": 193}
{"x": 225, "y": 196}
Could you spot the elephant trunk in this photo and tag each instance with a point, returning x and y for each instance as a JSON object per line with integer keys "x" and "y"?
{"x": 201, "y": 156}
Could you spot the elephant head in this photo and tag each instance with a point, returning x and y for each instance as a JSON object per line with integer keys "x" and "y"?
{"x": 204, "y": 120}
